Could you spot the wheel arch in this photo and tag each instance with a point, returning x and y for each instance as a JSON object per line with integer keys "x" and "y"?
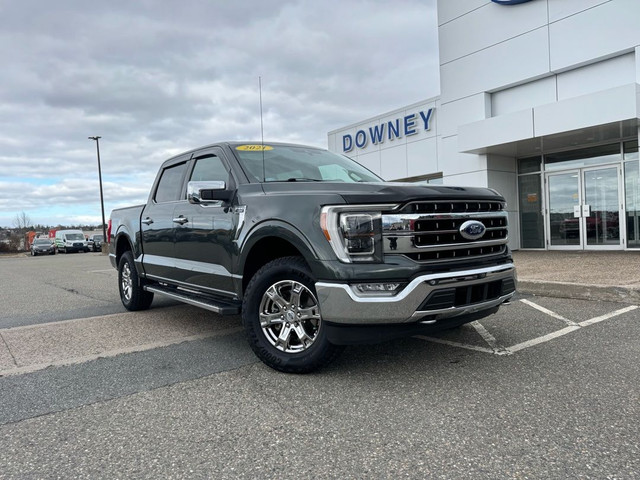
{"x": 270, "y": 241}
{"x": 123, "y": 244}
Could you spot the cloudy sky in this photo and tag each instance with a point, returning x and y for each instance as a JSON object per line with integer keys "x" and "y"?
{"x": 155, "y": 78}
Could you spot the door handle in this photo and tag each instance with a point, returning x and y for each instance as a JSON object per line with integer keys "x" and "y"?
{"x": 181, "y": 220}
{"x": 147, "y": 221}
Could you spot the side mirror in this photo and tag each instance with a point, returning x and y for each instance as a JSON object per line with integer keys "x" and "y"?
{"x": 203, "y": 193}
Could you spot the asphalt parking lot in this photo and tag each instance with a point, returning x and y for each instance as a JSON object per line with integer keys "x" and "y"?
{"x": 546, "y": 388}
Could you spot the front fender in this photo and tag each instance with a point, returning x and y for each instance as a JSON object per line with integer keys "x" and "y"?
{"x": 284, "y": 231}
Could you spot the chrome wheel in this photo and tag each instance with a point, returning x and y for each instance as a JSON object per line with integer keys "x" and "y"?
{"x": 126, "y": 282}
{"x": 132, "y": 293}
{"x": 289, "y": 316}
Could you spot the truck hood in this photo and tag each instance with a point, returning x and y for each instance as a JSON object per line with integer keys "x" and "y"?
{"x": 383, "y": 192}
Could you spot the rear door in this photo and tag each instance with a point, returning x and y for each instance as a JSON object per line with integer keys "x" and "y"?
{"x": 205, "y": 242}
{"x": 157, "y": 225}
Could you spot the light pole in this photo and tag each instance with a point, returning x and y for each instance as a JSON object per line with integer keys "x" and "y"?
{"x": 104, "y": 230}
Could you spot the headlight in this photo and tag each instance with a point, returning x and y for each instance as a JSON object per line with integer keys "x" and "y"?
{"x": 355, "y": 233}
{"x": 358, "y": 233}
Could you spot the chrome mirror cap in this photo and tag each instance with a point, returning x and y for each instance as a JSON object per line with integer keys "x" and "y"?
{"x": 203, "y": 192}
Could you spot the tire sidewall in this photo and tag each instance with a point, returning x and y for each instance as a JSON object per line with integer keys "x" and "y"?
{"x": 287, "y": 268}
{"x": 140, "y": 299}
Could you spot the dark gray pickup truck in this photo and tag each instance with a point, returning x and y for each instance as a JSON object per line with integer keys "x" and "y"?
{"x": 314, "y": 251}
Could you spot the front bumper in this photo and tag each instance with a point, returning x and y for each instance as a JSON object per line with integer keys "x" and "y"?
{"x": 427, "y": 298}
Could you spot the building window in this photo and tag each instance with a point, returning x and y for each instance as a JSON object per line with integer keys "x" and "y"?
{"x": 632, "y": 193}
{"x": 529, "y": 165}
{"x": 530, "y": 202}
{"x": 531, "y": 219}
{"x": 583, "y": 158}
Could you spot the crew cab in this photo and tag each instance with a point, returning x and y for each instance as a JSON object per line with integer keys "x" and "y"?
{"x": 312, "y": 249}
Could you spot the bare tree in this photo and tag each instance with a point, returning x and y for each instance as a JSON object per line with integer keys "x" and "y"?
{"x": 22, "y": 221}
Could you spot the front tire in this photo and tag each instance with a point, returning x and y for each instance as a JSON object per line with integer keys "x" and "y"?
{"x": 282, "y": 320}
{"x": 132, "y": 295}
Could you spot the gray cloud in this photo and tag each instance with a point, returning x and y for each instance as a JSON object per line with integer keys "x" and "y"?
{"x": 155, "y": 78}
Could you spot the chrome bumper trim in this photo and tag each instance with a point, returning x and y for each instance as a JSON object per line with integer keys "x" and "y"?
{"x": 339, "y": 302}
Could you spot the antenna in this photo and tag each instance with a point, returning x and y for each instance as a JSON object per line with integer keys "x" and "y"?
{"x": 264, "y": 174}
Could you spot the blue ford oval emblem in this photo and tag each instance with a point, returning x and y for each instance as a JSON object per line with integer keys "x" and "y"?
{"x": 509, "y": 2}
{"x": 472, "y": 229}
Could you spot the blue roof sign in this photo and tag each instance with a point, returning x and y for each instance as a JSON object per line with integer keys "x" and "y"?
{"x": 509, "y": 2}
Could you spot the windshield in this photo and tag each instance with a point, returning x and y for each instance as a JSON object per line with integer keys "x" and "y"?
{"x": 284, "y": 163}
{"x": 42, "y": 241}
{"x": 75, "y": 236}
{"x": 97, "y": 238}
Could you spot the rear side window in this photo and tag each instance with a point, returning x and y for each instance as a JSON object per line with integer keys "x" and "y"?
{"x": 170, "y": 184}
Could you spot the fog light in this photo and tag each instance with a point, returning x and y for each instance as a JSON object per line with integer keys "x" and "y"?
{"x": 377, "y": 288}
{"x": 433, "y": 282}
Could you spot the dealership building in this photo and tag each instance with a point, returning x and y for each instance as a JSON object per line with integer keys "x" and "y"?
{"x": 540, "y": 100}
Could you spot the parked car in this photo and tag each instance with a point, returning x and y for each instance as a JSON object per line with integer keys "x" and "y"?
{"x": 95, "y": 242}
{"x": 71, "y": 241}
{"x": 42, "y": 246}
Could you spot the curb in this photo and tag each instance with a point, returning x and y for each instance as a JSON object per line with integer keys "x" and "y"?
{"x": 603, "y": 293}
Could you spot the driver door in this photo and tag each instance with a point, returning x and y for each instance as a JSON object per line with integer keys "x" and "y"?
{"x": 205, "y": 238}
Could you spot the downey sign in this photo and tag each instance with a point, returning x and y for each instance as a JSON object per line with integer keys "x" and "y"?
{"x": 396, "y": 128}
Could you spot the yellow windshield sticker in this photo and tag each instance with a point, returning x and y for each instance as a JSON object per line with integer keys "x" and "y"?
{"x": 254, "y": 148}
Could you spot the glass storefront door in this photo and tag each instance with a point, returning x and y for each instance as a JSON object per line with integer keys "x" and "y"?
{"x": 584, "y": 209}
{"x": 602, "y": 207}
{"x": 563, "y": 219}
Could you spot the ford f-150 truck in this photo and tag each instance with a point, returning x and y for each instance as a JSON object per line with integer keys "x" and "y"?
{"x": 312, "y": 249}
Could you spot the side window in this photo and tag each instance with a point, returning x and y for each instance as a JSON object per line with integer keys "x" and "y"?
{"x": 170, "y": 184}
{"x": 209, "y": 169}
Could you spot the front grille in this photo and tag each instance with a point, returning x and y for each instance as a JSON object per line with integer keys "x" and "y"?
{"x": 438, "y": 232}
{"x": 431, "y": 231}
{"x": 455, "y": 207}
{"x": 458, "y": 253}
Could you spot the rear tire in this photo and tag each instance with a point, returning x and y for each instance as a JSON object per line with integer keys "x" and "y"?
{"x": 282, "y": 320}
{"x": 132, "y": 295}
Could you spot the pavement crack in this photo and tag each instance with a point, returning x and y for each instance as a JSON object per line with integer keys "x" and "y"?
{"x": 15, "y": 362}
{"x": 73, "y": 291}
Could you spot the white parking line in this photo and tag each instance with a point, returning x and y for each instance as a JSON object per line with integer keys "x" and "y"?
{"x": 548, "y": 312}
{"x": 497, "y": 349}
{"x": 490, "y": 339}
{"x": 543, "y": 339}
{"x": 608, "y": 316}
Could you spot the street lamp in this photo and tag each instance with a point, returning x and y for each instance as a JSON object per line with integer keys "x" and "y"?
{"x": 104, "y": 230}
